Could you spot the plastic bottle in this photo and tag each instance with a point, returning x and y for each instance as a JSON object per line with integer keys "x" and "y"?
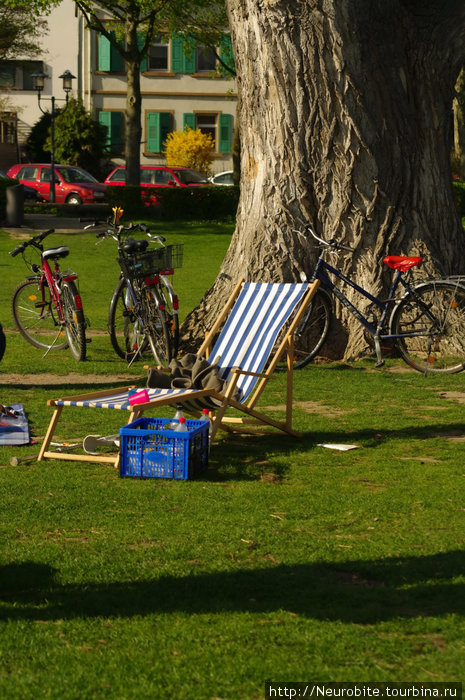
{"x": 181, "y": 426}
{"x": 206, "y": 416}
{"x": 179, "y": 414}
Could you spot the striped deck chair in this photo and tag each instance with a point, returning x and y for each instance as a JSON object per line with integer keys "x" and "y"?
{"x": 245, "y": 353}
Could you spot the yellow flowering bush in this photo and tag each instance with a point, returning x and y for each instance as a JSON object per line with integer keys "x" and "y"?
{"x": 190, "y": 148}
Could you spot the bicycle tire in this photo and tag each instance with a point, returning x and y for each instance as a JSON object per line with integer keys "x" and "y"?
{"x": 169, "y": 301}
{"x": 124, "y": 327}
{"x": 158, "y": 334}
{"x": 439, "y": 343}
{"x": 313, "y": 331}
{"x": 37, "y": 321}
{"x": 2, "y": 341}
{"x": 74, "y": 320}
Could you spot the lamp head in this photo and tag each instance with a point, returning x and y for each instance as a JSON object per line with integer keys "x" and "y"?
{"x": 38, "y": 80}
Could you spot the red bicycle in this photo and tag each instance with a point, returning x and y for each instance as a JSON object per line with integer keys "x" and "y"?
{"x": 47, "y": 306}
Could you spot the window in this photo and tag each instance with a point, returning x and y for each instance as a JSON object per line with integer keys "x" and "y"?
{"x": 118, "y": 176}
{"x": 18, "y": 74}
{"x": 29, "y": 172}
{"x": 157, "y": 57}
{"x": 206, "y": 59}
{"x": 219, "y": 126}
{"x": 114, "y": 123}
{"x": 207, "y": 124}
{"x": 189, "y": 57}
{"x": 45, "y": 175}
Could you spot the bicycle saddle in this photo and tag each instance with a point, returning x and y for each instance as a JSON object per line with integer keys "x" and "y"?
{"x": 402, "y": 262}
{"x": 133, "y": 246}
{"x": 56, "y": 253}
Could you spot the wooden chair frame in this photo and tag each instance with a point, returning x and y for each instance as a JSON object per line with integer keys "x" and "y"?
{"x": 252, "y": 417}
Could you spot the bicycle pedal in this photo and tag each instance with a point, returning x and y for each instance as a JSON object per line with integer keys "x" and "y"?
{"x": 88, "y": 340}
{"x": 40, "y": 304}
{"x": 379, "y": 364}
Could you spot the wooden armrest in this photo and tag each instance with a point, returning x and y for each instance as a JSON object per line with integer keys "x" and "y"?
{"x": 237, "y": 370}
{"x": 160, "y": 368}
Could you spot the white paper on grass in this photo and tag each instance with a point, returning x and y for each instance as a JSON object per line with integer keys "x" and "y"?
{"x": 335, "y": 446}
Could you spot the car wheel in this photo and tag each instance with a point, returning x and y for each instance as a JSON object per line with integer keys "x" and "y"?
{"x": 74, "y": 199}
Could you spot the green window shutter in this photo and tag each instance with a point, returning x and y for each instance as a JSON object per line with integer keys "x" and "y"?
{"x": 188, "y": 119}
{"x": 190, "y": 57}
{"x": 109, "y": 59}
{"x": 225, "y": 124}
{"x": 116, "y": 58}
{"x": 140, "y": 44}
{"x": 226, "y": 52}
{"x": 158, "y": 128}
{"x": 104, "y": 53}
{"x": 114, "y": 123}
{"x": 176, "y": 56}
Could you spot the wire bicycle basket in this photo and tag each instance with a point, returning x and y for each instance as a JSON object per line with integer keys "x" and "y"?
{"x": 151, "y": 262}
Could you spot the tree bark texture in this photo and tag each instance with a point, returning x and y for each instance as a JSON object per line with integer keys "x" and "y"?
{"x": 459, "y": 126}
{"x": 133, "y": 134}
{"x": 345, "y": 121}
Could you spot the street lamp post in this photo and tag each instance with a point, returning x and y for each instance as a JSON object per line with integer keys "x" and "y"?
{"x": 38, "y": 85}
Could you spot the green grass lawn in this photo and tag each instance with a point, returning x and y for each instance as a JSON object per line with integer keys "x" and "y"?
{"x": 284, "y": 561}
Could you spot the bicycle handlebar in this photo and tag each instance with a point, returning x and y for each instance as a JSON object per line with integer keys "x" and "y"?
{"x": 35, "y": 241}
{"x": 332, "y": 243}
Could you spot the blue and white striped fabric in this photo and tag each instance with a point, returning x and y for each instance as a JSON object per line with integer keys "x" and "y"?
{"x": 121, "y": 400}
{"x": 245, "y": 342}
{"x": 252, "y": 328}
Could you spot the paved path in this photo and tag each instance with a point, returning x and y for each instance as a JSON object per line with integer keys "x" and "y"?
{"x": 34, "y": 223}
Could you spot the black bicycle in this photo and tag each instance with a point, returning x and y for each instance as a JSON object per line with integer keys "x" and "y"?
{"x": 143, "y": 314}
{"x": 426, "y": 322}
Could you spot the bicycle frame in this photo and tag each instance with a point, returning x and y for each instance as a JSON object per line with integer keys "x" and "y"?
{"x": 320, "y": 273}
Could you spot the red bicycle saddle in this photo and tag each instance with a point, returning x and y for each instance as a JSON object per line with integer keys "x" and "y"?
{"x": 402, "y": 262}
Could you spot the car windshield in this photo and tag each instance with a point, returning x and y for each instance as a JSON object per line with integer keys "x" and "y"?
{"x": 118, "y": 176}
{"x": 75, "y": 175}
{"x": 190, "y": 177}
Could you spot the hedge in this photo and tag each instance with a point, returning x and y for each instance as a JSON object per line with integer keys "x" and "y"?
{"x": 198, "y": 203}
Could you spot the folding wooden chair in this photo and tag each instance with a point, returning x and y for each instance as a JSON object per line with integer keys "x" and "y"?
{"x": 245, "y": 353}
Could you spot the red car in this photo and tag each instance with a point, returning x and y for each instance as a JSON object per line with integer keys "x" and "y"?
{"x": 155, "y": 176}
{"x": 72, "y": 185}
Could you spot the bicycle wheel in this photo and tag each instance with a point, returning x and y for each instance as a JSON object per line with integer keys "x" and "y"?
{"x": 169, "y": 304}
{"x": 156, "y": 325}
{"x": 433, "y": 317}
{"x": 313, "y": 330}
{"x": 36, "y": 317}
{"x": 74, "y": 320}
{"x": 124, "y": 326}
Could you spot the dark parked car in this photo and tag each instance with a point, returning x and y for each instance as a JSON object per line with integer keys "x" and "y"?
{"x": 72, "y": 185}
{"x": 30, "y": 194}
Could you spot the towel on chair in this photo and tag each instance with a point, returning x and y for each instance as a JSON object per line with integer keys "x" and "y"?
{"x": 190, "y": 372}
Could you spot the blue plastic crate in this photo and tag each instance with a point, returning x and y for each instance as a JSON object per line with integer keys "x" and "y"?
{"x": 150, "y": 451}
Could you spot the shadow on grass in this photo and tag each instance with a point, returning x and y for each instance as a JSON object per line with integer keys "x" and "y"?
{"x": 360, "y": 592}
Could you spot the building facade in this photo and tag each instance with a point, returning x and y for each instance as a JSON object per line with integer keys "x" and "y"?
{"x": 180, "y": 86}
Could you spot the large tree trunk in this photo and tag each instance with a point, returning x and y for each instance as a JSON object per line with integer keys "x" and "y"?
{"x": 345, "y": 117}
{"x": 133, "y": 105}
{"x": 459, "y": 127}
